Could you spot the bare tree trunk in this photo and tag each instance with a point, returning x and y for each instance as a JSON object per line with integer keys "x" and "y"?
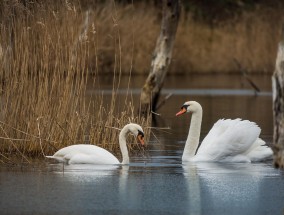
{"x": 278, "y": 105}
{"x": 162, "y": 57}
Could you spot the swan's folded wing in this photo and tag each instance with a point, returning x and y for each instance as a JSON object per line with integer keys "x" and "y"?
{"x": 97, "y": 159}
{"x": 83, "y": 153}
{"x": 229, "y": 138}
{"x": 219, "y": 128}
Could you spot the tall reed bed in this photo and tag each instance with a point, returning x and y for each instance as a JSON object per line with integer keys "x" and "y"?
{"x": 45, "y": 70}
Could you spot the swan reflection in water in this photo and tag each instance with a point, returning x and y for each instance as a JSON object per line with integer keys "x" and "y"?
{"x": 93, "y": 184}
{"x": 230, "y": 186}
{"x": 86, "y": 172}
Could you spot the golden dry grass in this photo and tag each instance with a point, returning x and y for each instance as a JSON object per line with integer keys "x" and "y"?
{"x": 45, "y": 70}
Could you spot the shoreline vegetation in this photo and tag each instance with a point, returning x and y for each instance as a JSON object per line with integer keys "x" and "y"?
{"x": 45, "y": 51}
{"x": 49, "y": 51}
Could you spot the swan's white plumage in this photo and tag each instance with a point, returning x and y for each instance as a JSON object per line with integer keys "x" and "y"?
{"x": 259, "y": 151}
{"x": 91, "y": 154}
{"x": 228, "y": 140}
{"x": 84, "y": 154}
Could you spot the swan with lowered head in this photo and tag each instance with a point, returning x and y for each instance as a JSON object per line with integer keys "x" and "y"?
{"x": 228, "y": 140}
{"x": 91, "y": 154}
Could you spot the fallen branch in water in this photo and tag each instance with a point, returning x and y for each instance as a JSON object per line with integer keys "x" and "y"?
{"x": 245, "y": 74}
{"x": 163, "y": 101}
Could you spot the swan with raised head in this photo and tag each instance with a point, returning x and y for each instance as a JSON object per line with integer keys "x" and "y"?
{"x": 228, "y": 141}
{"x": 91, "y": 154}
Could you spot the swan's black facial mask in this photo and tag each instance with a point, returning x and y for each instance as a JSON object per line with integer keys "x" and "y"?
{"x": 183, "y": 110}
{"x": 140, "y": 137}
{"x": 140, "y": 133}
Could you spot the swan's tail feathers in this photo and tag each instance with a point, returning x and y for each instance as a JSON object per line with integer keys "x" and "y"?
{"x": 259, "y": 151}
{"x": 56, "y": 158}
{"x": 47, "y": 156}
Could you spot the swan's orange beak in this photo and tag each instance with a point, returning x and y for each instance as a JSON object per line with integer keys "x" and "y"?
{"x": 182, "y": 111}
{"x": 141, "y": 139}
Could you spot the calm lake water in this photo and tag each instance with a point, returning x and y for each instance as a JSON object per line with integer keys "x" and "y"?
{"x": 156, "y": 182}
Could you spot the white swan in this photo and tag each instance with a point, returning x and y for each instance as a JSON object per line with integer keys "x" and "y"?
{"x": 91, "y": 154}
{"x": 228, "y": 140}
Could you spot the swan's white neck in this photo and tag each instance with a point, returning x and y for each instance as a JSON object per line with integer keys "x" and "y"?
{"x": 122, "y": 145}
{"x": 192, "y": 141}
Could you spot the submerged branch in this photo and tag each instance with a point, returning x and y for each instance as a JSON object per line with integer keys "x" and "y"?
{"x": 245, "y": 74}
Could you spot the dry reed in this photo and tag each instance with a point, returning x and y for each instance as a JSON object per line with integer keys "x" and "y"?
{"x": 45, "y": 71}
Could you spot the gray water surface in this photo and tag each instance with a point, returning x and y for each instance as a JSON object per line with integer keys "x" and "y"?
{"x": 144, "y": 188}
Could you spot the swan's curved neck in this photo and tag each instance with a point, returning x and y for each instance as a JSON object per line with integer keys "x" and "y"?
{"x": 192, "y": 141}
{"x": 122, "y": 145}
